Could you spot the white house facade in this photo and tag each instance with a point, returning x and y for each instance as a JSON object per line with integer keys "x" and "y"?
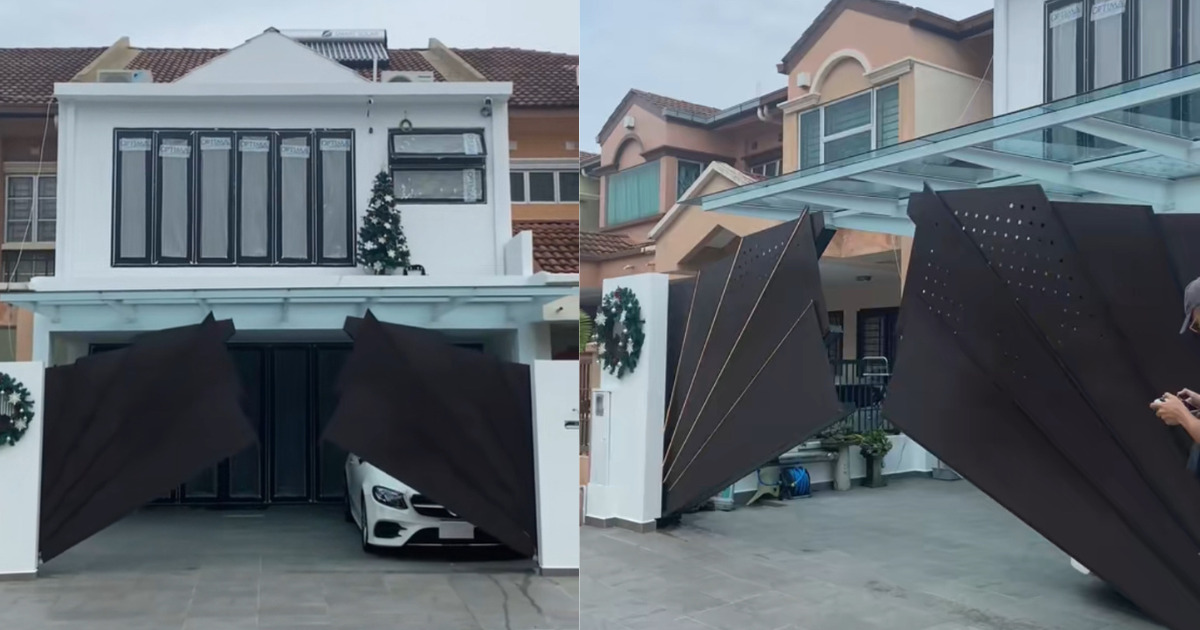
{"x": 239, "y": 191}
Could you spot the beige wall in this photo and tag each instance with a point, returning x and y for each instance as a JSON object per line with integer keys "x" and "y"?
{"x": 592, "y": 273}
{"x": 649, "y": 131}
{"x": 882, "y": 292}
{"x": 693, "y": 225}
{"x": 544, "y": 133}
{"x": 945, "y": 99}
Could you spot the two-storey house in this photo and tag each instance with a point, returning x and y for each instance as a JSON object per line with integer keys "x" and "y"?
{"x": 238, "y": 190}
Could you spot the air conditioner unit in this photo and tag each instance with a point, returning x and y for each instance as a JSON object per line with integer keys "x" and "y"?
{"x": 124, "y": 76}
{"x": 406, "y": 76}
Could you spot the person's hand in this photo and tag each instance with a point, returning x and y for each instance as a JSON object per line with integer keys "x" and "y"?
{"x": 1190, "y": 397}
{"x": 1171, "y": 410}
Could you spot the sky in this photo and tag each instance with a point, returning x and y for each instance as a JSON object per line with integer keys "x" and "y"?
{"x": 551, "y": 25}
{"x": 713, "y": 52}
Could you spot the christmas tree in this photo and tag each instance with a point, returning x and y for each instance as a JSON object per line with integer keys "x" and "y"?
{"x": 382, "y": 246}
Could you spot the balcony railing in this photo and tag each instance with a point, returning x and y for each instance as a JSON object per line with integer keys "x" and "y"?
{"x": 862, "y": 386}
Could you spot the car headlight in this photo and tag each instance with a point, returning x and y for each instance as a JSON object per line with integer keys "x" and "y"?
{"x": 389, "y": 497}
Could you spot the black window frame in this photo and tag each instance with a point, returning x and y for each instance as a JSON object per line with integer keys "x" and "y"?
{"x": 309, "y": 220}
{"x": 887, "y": 319}
{"x": 13, "y": 257}
{"x": 234, "y": 255}
{"x": 441, "y": 162}
{"x": 318, "y": 177}
{"x": 232, "y": 198}
{"x": 118, "y": 196}
{"x": 242, "y": 259}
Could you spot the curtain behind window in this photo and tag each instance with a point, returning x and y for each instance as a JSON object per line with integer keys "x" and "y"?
{"x": 253, "y": 183}
{"x": 1064, "y": 55}
{"x": 887, "y": 115}
{"x": 1154, "y": 26}
{"x": 133, "y": 199}
{"x": 175, "y": 162}
{"x": 334, "y": 191}
{"x": 215, "y": 154}
{"x": 686, "y": 175}
{"x": 1107, "y": 50}
{"x": 293, "y": 184}
{"x": 810, "y": 139}
{"x": 632, "y": 194}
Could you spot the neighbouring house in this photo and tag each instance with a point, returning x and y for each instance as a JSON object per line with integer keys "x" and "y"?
{"x": 543, "y": 118}
{"x": 236, "y": 187}
{"x": 589, "y": 192}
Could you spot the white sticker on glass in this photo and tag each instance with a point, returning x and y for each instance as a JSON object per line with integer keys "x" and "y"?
{"x": 471, "y": 145}
{"x": 1107, "y": 8}
{"x": 1066, "y": 14}
{"x": 175, "y": 149}
{"x": 134, "y": 144}
{"x": 335, "y": 144}
{"x": 254, "y": 145}
{"x": 215, "y": 144}
{"x": 293, "y": 151}
{"x": 471, "y": 185}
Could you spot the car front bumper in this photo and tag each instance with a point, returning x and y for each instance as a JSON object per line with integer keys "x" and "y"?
{"x": 391, "y": 527}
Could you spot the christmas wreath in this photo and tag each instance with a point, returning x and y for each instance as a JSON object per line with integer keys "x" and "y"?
{"x": 619, "y": 332}
{"x": 16, "y": 410}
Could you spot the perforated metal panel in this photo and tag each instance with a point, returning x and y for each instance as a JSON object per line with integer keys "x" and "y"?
{"x": 1034, "y": 335}
{"x": 753, "y": 377}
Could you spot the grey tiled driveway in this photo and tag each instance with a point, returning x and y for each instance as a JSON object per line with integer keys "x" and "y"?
{"x": 918, "y": 555}
{"x": 293, "y": 568}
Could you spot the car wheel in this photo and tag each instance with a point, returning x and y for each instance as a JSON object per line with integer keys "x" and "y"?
{"x": 366, "y": 541}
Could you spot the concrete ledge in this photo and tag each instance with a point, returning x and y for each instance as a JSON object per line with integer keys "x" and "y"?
{"x": 551, "y": 572}
{"x": 605, "y": 523}
{"x": 18, "y": 577}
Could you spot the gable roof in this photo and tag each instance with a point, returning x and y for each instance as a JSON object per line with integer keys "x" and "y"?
{"x": 888, "y": 10}
{"x": 665, "y": 106}
{"x": 540, "y": 79}
{"x": 555, "y": 244}
{"x": 28, "y": 75}
{"x": 714, "y": 169}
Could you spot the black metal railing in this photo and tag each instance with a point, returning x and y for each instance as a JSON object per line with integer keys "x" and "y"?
{"x": 862, "y": 385}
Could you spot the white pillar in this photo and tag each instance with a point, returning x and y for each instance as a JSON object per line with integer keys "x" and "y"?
{"x": 629, "y": 493}
{"x": 20, "y": 492}
{"x": 556, "y": 464}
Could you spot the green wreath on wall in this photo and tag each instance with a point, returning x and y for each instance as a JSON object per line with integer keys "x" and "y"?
{"x": 620, "y": 332}
{"x": 16, "y": 410}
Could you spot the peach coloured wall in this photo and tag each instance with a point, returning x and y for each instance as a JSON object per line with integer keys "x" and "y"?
{"x": 882, "y": 42}
{"x": 844, "y": 79}
{"x": 946, "y": 99}
{"x": 687, "y": 230}
{"x": 21, "y": 147}
{"x": 852, "y": 297}
{"x": 791, "y": 142}
{"x": 592, "y": 273}
{"x": 649, "y": 129}
{"x": 545, "y": 136}
{"x": 851, "y": 243}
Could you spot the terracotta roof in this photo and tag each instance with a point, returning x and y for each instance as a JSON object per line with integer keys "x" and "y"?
{"x": 28, "y": 75}
{"x": 667, "y": 102}
{"x": 593, "y": 245}
{"x": 888, "y": 10}
{"x": 168, "y": 64}
{"x": 540, "y": 79}
{"x": 555, "y": 244}
{"x": 585, "y": 157}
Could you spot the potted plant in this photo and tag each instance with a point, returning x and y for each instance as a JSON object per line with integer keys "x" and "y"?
{"x": 874, "y": 446}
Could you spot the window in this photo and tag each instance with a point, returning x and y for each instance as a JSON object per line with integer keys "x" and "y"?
{"x": 225, "y": 197}
{"x": 544, "y": 186}
{"x": 851, "y": 126}
{"x": 766, "y": 169}
{"x": 21, "y": 265}
{"x": 877, "y": 334}
{"x": 632, "y": 194}
{"x": 438, "y": 166}
{"x": 834, "y": 342}
{"x": 30, "y": 205}
{"x": 686, "y": 174}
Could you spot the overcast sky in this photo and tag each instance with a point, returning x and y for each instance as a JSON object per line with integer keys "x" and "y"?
{"x": 713, "y": 52}
{"x": 551, "y": 25}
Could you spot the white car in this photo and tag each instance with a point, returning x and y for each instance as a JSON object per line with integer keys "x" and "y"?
{"x": 391, "y": 514}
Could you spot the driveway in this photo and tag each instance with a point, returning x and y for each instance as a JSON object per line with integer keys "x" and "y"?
{"x": 919, "y": 554}
{"x": 296, "y": 568}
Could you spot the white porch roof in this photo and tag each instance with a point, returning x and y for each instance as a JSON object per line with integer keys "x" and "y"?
{"x": 485, "y": 303}
{"x": 1127, "y": 143}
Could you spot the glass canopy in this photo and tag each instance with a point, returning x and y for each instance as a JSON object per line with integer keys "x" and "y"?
{"x": 1136, "y": 142}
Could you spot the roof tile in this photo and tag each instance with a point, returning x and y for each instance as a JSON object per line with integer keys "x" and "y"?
{"x": 667, "y": 102}
{"x": 28, "y": 75}
{"x": 169, "y": 64}
{"x": 555, "y": 244}
{"x": 600, "y": 244}
{"x": 540, "y": 79}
